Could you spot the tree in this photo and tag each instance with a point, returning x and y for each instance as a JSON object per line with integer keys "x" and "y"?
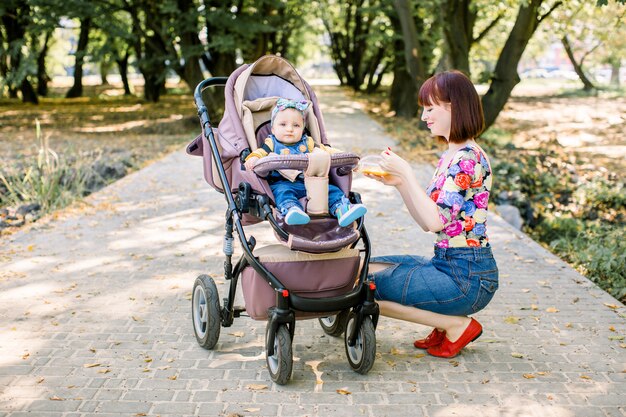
{"x": 15, "y": 16}
{"x": 77, "y": 88}
{"x": 361, "y": 37}
{"x": 530, "y": 14}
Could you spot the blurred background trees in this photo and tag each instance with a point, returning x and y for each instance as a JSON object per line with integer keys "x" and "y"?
{"x": 367, "y": 42}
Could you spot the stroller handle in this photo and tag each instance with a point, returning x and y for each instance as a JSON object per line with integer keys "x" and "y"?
{"x": 203, "y": 112}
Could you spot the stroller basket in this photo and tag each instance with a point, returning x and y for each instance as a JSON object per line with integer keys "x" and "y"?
{"x": 316, "y": 271}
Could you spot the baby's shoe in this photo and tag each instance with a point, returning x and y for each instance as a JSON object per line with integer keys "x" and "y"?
{"x": 348, "y": 213}
{"x": 296, "y": 216}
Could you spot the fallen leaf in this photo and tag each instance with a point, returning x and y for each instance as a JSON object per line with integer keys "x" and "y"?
{"x": 92, "y": 350}
{"x": 140, "y": 414}
{"x": 237, "y": 334}
{"x": 611, "y": 306}
{"x": 91, "y": 365}
{"x": 517, "y": 355}
{"x": 139, "y": 319}
{"x": 534, "y": 307}
{"x": 528, "y": 376}
{"x": 511, "y": 320}
{"x": 30, "y": 248}
{"x": 147, "y": 360}
{"x": 40, "y": 379}
{"x": 552, "y": 310}
{"x": 173, "y": 377}
{"x": 525, "y": 290}
{"x": 256, "y": 387}
{"x": 395, "y": 351}
{"x": 568, "y": 325}
{"x": 55, "y": 398}
{"x": 616, "y": 337}
{"x": 484, "y": 381}
{"x": 252, "y": 410}
{"x": 454, "y": 363}
{"x": 612, "y": 328}
{"x": 343, "y": 392}
{"x": 622, "y": 345}
{"x": 104, "y": 371}
{"x": 25, "y": 356}
{"x": 585, "y": 377}
{"x": 419, "y": 355}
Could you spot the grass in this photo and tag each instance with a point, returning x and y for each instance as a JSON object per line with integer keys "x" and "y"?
{"x": 560, "y": 159}
{"x": 64, "y": 149}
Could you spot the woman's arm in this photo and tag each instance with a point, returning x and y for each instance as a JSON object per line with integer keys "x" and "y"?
{"x": 423, "y": 210}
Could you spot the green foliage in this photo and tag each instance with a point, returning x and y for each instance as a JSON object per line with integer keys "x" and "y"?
{"x": 596, "y": 249}
{"x": 48, "y": 180}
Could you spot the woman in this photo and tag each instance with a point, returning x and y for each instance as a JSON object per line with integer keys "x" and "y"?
{"x": 462, "y": 276}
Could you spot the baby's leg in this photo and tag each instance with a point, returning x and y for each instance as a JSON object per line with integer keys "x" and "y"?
{"x": 287, "y": 194}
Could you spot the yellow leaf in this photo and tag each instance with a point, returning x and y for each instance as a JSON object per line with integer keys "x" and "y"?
{"x": 30, "y": 248}
{"x": 528, "y": 376}
{"x": 612, "y": 306}
{"x": 395, "y": 351}
{"x": 237, "y": 334}
{"x": 585, "y": 377}
{"x": 517, "y": 355}
{"x": 25, "y": 356}
{"x": 256, "y": 387}
{"x": 420, "y": 355}
{"x": 40, "y": 379}
{"x": 91, "y": 365}
{"x": 147, "y": 360}
{"x": 612, "y": 328}
{"x": 534, "y": 307}
{"x": 343, "y": 392}
{"x": 173, "y": 377}
{"x": 55, "y": 398}
{"x": 104, "y": 371}
{"x": 511, "y": 320}
{"x": 252, "y": 410}
{"x": 552, "y": 310}
{"x": 139, "y": 319}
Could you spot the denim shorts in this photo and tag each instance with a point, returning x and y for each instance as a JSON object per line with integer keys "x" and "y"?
{"x": 456, "y": 281}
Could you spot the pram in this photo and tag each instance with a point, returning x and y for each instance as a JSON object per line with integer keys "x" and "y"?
{"x": 316, "y": 271}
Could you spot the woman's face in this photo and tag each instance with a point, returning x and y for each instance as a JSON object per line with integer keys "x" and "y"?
{"x": 438, "y": 118}
{"x": 288, "y": 126}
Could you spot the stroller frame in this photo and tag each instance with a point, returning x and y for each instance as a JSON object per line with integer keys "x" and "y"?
{"x": 356, "y": 311}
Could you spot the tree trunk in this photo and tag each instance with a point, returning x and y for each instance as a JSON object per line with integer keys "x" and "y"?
{"x": 459, "y": 32}
{"x": 122, "y": 65}
{"x": 403, "y": 94}
{"x": 412, "y": 57}
{"x": 587, "y": 84}
{"x": 42, "y": 76}
{"x": 505, "y": 76}
{"x": 104, "y": 69}
{"x": 14, "y": 23}
{"x": 28, "y": 92}
{"x": 615, "y": 69}
{"x": 77, "y": 88}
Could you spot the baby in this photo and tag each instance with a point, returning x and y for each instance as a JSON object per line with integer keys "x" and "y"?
{"x": 288, "y": 138}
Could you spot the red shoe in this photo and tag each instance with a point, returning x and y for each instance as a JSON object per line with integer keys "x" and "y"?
{"x": 433, "y": 339}
{"x": 448, "y": 349}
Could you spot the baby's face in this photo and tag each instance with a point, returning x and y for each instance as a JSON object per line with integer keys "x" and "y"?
{"x": 288, "y": 126}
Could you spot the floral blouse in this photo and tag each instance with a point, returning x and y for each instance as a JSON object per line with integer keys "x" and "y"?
{"x": 461, "y": 191}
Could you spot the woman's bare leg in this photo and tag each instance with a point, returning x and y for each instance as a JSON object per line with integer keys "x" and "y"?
{"x": 453, "y": 325}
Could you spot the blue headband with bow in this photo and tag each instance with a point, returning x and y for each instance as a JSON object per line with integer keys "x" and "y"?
{"x": 284, "y": 103}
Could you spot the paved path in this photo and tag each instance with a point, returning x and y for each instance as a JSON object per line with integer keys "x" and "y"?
{"x": 95, "y": 317}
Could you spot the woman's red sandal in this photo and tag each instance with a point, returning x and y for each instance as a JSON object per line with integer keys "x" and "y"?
{"x": 448, "y": 349}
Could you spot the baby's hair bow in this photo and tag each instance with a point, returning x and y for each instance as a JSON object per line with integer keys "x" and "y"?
{"x": 284, "y": 103}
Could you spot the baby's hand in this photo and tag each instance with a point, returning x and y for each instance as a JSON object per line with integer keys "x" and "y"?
{"x": 250, "y": 163}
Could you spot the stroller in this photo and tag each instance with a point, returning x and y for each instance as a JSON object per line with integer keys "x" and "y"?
{"x": 316, "y": 271}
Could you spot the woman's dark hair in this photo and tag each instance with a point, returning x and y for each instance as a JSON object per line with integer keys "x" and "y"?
{"x": 455, "y": 88}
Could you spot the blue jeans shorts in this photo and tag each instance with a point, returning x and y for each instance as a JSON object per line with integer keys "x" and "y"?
{"x": 456, "y": 281}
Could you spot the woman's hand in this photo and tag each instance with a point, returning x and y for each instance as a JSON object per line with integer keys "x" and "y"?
{"x": 250, "y": 163}
{"x": 399, "y": 169}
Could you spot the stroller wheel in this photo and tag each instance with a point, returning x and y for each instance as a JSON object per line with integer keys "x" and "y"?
{"x": 362, "y": 355}
{"x": 280, "y": 364}
{"x": 335, "y": 325}
{"x": 206, "y": 312}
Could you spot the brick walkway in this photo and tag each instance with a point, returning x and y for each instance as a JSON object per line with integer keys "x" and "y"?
{"x": 95, "y": 317}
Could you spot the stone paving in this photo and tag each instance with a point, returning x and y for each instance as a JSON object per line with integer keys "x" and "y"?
{"x": 95, "y": 316}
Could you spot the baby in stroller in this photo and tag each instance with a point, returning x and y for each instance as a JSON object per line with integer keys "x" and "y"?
{"x": 288, "y": 138}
